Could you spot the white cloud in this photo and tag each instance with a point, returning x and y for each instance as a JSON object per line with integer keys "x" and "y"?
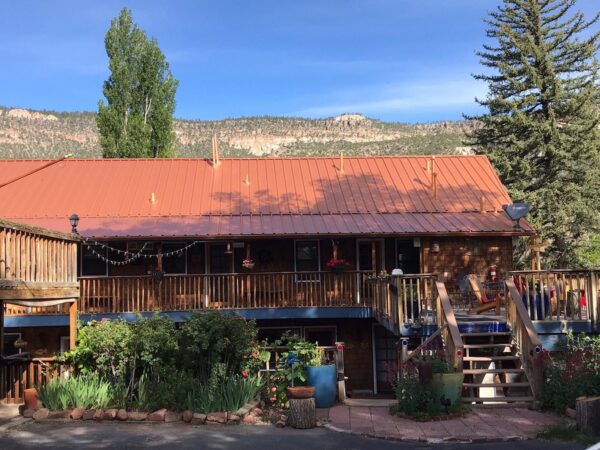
{"x": 410, "y": 96}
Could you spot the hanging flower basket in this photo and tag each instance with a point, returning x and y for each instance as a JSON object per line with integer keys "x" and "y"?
{"x": 158, "y": 275}
{"x": 248, "y": 263}
{"x": 337, "y": 265}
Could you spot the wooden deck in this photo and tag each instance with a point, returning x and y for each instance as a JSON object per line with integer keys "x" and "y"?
{"x": 129, "y": 294}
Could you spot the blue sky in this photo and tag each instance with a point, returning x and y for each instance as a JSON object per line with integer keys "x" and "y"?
{"x": 402, "y": 60}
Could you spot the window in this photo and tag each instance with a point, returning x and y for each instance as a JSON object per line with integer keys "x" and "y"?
{"x": 174, "y": 263}
{"x": 307, "y": 256}
{"x": 323, "y": 336}
{"x": 9, "y": 344}
{"x": 65, "y": 344}
{"x": 91, "y": 264}
{"x": 272, "y": 334}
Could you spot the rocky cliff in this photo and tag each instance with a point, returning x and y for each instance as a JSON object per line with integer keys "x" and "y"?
{"x": 42, "y": 134}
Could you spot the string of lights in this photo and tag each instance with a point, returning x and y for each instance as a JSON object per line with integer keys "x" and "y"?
{"x": 133, "y": 256}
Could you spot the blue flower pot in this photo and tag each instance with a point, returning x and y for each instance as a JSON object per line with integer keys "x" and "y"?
{"x": 324, "y": 379}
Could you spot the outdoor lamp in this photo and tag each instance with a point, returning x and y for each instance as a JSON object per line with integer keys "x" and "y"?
{"x": 74, "y": 219}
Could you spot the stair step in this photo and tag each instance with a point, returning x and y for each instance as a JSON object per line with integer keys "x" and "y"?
{"x": 486, "y": 334}
{"x": 485, "y": 371}
{"x": 491, "y": 358}
{"x": 498, "y": 399}
{"x": 506, "y": 344}
{"x": 487, "y": 385}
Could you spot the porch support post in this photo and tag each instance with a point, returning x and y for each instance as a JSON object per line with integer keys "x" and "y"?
{"x": 374, "y": 255}
{"x": 72, "y": 324}
{"x": 339, "y": 363}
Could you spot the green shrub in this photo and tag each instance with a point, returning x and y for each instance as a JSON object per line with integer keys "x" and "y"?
{"x": 572, "y": 372}
{"x": 213, "y": 338}
{"x": 87, "y": 392}
{"x": 415, "y": 399}
{"x": 212, "y": 362}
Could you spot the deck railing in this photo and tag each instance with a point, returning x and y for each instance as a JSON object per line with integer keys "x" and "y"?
{"x": 553, "y": 295}
{"x": 525, "y": 337}
{"x": 123, "y": 294}
{"x": 16, "y": 375}
{"x": 405, "y": 299}
{"x": 446, "y": 321}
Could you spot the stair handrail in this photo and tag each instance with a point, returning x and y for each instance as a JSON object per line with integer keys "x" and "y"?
{"x": 526, "y": 338}
{"x": 450, "y": 333}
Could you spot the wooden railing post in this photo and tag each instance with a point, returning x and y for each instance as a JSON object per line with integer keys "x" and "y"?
{"x": 594, "y": 302}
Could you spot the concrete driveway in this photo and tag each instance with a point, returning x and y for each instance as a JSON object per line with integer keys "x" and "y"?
{"x": 77, "y": 435}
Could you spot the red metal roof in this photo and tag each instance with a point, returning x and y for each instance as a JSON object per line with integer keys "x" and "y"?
{"x": 257, "y": 196}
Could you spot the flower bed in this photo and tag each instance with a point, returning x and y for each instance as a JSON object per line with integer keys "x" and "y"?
{"x": 209, "y": 364}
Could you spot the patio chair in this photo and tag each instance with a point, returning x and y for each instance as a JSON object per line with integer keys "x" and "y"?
{"x": 487, "y": 299}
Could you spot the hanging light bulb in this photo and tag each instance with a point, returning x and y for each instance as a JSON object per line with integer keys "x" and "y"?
{"x": 228, "y": 250}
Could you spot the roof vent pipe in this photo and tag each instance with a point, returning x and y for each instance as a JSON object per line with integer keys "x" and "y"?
{"x": 215, "y": 151}
{"x": 433, "y": 178}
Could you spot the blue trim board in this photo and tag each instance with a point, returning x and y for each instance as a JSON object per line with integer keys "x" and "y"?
{"x": 55, "y": 320}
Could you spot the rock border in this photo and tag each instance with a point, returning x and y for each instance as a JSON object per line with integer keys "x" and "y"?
{"x": 248, "y": 414}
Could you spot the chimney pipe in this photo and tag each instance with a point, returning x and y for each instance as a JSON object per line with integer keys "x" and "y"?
{"x": 216, "y": 161}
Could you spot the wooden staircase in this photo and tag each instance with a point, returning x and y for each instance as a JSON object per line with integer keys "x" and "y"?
{"x": 492, "y": 366}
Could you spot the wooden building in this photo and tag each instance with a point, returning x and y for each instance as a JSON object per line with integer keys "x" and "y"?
{"x": 258, "y": 236}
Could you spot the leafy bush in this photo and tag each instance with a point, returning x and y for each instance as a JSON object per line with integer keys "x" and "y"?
{"x": 415, "y": 399}
{"x": 123, "y": 352}
{"x": 211, "y": 362}
{"x": 213, "y": 338}
{"x": 88, "y": 392}
{"x": 573, "y": 372}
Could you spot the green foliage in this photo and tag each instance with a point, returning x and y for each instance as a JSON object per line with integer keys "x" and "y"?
{"x": 87, "y": 392}
{"x": 415, "y": 399}
{"x": 566, "y": 433}
{"x": 213, "y": 361}
{"x": 573, "y": 372}
{"x": 137, "y": 120}
{"x": 541, "y": 129}
{"x": 213, "y": 338}
{"x": 295, "y": 374}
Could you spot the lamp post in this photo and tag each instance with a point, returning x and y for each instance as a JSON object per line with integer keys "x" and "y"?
{"x": 74, "y": 219}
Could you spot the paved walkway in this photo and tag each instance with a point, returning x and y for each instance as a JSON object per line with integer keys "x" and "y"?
{"x": 482, "y": 424}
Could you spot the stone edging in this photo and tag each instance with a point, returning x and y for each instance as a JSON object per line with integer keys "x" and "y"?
{"x": 248, "y": 414}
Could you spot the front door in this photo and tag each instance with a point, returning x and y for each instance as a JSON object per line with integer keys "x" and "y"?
{"x": 408, "y": 256}
{"x": 220, "y": 265}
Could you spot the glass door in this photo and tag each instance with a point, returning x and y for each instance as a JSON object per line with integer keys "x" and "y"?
{"x": 220, "y": 266}
{"x": 370, "y": 260}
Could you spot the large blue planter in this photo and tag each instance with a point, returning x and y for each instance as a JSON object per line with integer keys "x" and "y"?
{"x": 324, "y": 379}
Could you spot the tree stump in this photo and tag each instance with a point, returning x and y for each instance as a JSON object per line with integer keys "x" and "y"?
{"x": 588, "y": 415}
{"x": 302, "y": 413}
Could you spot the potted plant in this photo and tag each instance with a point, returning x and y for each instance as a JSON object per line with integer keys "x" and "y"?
{"x": 324, "y": 379}
{"x": 248, "y": 263}
{"x": 337, "y": 265}
{"x": 292, "y": 361}
{"x": 446, "y": 380}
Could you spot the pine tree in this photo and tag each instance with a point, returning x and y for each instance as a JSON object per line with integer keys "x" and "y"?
{"x": 137, "y": 120}
{"x": 540, "y": 130}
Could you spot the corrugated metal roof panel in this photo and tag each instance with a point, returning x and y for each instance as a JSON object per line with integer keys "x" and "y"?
{"x": 297, "y": 195}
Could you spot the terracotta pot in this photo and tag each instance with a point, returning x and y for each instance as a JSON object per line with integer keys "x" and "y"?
{"x": 300, "y": 391}
{"x": 31, "y": 398}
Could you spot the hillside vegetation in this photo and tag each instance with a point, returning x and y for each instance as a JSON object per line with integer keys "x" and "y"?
{"x": 44, "y": 134}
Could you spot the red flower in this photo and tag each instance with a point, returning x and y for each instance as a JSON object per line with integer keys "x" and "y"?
{"x": 244, "y": 373}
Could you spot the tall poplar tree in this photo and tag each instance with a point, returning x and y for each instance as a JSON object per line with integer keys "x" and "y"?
{"x": 137, "y": 120}
{"x": 540, "y": 130}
